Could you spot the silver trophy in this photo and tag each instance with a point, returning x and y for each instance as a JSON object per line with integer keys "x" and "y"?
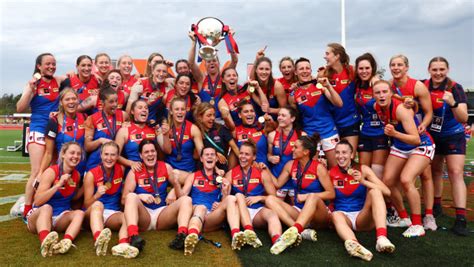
{"x": 209, "y": 32}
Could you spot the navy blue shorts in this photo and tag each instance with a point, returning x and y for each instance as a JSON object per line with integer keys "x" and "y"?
{"x": 451, "y": 145}
{"x": 372, "y": 143}
{"x": 353, "y": 130}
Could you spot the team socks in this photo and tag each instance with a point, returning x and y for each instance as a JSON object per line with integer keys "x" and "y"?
{"x": 460, "y": 213}
{"x": 193, "y": 231}
{"x": 248, "y": 227}
{"x": 123, "y": 240}
{"x": 275, "y": 238}
{"x": 382, "y": 231}
{"x": 234, "y": 231}
{"x": 415, "y": 219}
{"x": 403, "y": 214}
{"x": 67, "y": 236}
{"x": 42, "y": 235}
{"x": 27, "y": 209}
{"x": 183, "y": 230}
{"x": 429, "y": 212}
{"x": 132, "y": 230}
{"x": 299, "y": 227}
{"x": 96, "y": 235}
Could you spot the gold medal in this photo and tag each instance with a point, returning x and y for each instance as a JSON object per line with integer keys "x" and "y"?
{"x": 157, "y": 199}
{"x": 319, "y": 86}
{"x": 219, "y": 179}
{"x": 251, "y": 89}
{"x": 37, "y": 76}
{"x": 261, "y": 119}
{"x": 212, "y": 101}
{"x": 350, "y": 171}
{"x": 108, "y": 185}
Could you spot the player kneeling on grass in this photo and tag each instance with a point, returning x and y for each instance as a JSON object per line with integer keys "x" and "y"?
{"x": 145, "y": 196}
{"x": 312, "y": 186}
{"x": 250, "y": 184}
{"x": 359, "y": 204}
{"x": 210, "y": 212}
{"x": 59, "y": 185}
{"x": 102, "y": 194}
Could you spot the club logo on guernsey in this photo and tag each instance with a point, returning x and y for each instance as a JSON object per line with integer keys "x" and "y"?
{"x": 254, "y": 181}
{"x": 118, "y": 180}
{"x": 338, "y": 183}
{"x": 315, "y": 93}
{"x": 353, "y": 182}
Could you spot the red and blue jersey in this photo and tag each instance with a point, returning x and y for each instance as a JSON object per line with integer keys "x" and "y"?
{"x": 45, "y": 101}
{"x": 211, "y": 90}
{"x": 315, "y": 111}
{"x": 346, "y": 115}
{"x": 155, "y": 183}
{"x": 205, "y": 190}
{"x": 350, "y": 193}
{"x": 450, "y": 126}
{"x": 233, "y": 101}
{"x": 286, "y": 86}
{"x": 371, "y": 124}
{"x": 244, "y": 133}
{"x": 61, "y": 199}
{"x": 69, "y": 129}
{"x": 283, "y": 146}
{"x": 389, "y": 116}
{"x": 249, "y": 184}
{"x": 128, "y": 83}
{"x": 120, "y": 102}
{"x": 136, "y": 135}
{"x": 84, "y": 89}
{"x": 104, "y": 127}
{"x": 305, "y": 180}
{"x": 182, "y": 148}
{"x": 153, "y": 96}
{"x": 111, "y": 198}
{"x": 189, "y": 104}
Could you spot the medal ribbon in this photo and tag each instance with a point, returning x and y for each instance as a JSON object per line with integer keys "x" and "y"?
{"x": 107, "y": 179}
{"x": 300, "y": 174}
{"x": 283, "y": 145}
{"x": 112, "y": 130}
{"x": 246, "y": 179}
{"x": 179, "y": 142}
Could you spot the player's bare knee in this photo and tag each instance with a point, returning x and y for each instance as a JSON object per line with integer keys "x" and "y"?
{"x": 97, "y": 206}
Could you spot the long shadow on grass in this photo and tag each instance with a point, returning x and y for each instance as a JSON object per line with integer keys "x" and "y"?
{"x": 440, "y": 248}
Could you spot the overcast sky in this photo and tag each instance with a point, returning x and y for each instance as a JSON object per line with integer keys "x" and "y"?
{"x": 420, "y": 29}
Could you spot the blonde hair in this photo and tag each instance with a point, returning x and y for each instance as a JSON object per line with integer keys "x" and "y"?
{"x": 61, "y": 96}
{"x": 199, "y": 111}
{"x": 65, "y": 147}
{"x": 403, "y": 57}
{"x": 170, "y": 116}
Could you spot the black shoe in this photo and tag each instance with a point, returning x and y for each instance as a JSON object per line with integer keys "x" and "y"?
{"x": 460, "y": 227}
{"x": 437, "y": 211}
{"x": 137, "y": 242}
{"x": 178, "y": 242}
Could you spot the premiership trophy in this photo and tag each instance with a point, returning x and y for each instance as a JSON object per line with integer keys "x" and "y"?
{"x": 209, "y": 32}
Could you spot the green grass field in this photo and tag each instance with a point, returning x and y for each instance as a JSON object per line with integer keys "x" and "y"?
{"x": 436, "y": 248}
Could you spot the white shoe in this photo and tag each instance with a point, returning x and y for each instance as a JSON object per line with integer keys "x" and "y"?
{"x": 190, "y": 243}
{"x": 405, "y": 222}
{"x": 414, "y": 231}
{"x": 62, "y": 246}
{"x": 48, "y": 243}
{"x": 309, "y": 234}
{"x": 125, "y": 250}
{"x": 288, "y": 238}
{"x": 18, "y": 207}
{"x": 238, "y": 241}
{"x": 429, "y": 223}
{"x": 384, "y": 245}
{"x": 357, "y": 250}
{"x": 252, "y": 239}
{"x": 102, "y": 242}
